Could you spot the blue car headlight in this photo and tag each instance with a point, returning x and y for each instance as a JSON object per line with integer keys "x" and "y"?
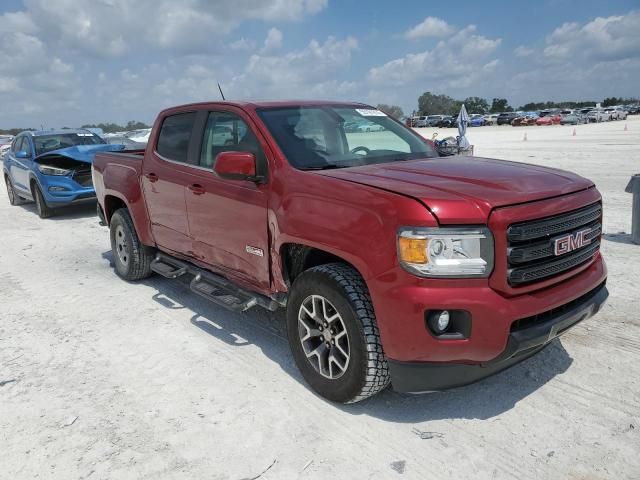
{"x": 50, "y": 170}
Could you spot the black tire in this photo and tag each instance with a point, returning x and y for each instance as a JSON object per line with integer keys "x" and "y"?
{"x": 131, "y": 258}
{"x": 14, "y": 198}
{"x": 367, "y": 371}
{"x": 44, "y": 210}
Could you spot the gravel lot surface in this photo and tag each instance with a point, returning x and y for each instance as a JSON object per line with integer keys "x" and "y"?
{"x": 103, "y": 379}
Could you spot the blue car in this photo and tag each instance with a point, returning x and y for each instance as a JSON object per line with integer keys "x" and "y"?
{"x": 52, "y": 168}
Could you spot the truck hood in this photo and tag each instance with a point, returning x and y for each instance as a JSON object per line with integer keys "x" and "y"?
{"x": 81, "y": 153}
{"x": 465, "y": 189}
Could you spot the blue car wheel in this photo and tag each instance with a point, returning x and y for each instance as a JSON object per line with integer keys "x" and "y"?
{"x": 44, "y": 210}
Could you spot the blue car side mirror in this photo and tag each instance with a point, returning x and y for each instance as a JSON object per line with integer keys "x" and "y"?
{"x": 21, "y": 154}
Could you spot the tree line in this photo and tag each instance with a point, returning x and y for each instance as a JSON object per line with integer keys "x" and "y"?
{"x": 432, "y": 104}
{"x": 106, "y": 127}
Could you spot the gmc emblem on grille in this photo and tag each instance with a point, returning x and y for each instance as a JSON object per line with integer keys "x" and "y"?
{"x": 570, "y": 242}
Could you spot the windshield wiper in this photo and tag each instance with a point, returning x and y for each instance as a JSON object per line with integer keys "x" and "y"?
{"x": 328, "y": 166}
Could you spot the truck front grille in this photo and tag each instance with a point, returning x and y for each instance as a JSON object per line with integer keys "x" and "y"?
{"x": 531, "y": 252}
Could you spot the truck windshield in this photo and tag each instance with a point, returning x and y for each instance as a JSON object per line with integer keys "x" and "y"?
{"x": 323, "y": 137}
{"x": 48, "y": 143}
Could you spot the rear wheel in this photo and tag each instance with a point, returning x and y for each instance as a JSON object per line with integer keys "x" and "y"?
{"x": 334, "y": 336}
{"x": 14, "y": 198}
{"x": 132, "y": 259}
{"x": 44, "y": 210}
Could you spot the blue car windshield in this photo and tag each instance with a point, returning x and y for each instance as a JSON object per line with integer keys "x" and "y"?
{"x": 48, "y": 143}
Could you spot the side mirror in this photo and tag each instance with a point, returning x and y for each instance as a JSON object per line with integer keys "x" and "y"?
{"x": 236, "y": 166}
{"x": 21, "y": 154}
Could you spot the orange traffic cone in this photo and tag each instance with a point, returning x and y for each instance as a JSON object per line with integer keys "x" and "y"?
{"x": 524, "y": 139}
{"x": 574, "y": 132}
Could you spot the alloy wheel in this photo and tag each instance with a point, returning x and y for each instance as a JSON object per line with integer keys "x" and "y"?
{"x": 323, "y": 336}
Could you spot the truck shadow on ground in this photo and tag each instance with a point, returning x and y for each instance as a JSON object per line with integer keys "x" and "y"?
{"x": 620, "y": 237}
{"x": 72, "y": 212}
{"x": 483, "y": 400}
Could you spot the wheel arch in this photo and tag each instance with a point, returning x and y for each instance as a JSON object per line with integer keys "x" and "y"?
{"x": 298, "y": 257}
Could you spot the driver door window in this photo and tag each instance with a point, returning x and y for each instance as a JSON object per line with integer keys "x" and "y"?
{"x": 26, "y": 146}
{"x": 226, "y": 132}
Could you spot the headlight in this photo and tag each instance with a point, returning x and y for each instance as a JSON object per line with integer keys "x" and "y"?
{"x": 49, "y": 170}
{"x": 446, "y": 252}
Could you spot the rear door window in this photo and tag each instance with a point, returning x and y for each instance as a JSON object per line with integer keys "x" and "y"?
{"x": 175, "y": 135}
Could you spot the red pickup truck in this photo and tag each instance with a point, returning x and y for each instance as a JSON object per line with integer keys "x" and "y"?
{"x": 394, "y": 265}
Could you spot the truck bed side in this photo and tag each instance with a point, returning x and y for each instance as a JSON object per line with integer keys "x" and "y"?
{"x": 116, "y": 178}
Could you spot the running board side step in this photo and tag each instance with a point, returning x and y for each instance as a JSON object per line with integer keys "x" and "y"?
{"x": 214, "y": 288}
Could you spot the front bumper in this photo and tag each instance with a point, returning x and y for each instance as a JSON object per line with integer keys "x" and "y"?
{"x": 523, "y": 342}
{"x": 62, "y": 191}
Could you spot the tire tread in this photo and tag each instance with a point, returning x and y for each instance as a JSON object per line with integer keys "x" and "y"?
{"x": 377, "y": 370}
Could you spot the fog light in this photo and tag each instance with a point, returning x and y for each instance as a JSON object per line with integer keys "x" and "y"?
{"x": 58, "y": 189}
{"x": 443, "y": 321}
{"x": 448, "y": 324}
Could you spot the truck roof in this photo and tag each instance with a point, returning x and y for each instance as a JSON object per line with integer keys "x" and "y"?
{"x": 255, "y": 104}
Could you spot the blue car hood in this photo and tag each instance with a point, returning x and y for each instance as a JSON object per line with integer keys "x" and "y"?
{"x": 81, "y": 153}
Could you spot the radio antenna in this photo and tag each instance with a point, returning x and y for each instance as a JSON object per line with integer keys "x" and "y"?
{"x": 221, "y": 94}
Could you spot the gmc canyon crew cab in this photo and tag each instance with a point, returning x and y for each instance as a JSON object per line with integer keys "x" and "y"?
{"x": 394, "y": 265}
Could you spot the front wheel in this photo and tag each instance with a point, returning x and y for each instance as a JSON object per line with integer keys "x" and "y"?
{"x": 334, "y": 336}
{"x": 132, "y": 259}
{"x": 44, "y": 210}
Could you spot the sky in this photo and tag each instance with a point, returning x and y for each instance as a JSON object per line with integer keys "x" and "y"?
{"x": 72, "y": 62}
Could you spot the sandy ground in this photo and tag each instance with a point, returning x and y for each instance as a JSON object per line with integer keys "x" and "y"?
{"x": 103, "y": 379}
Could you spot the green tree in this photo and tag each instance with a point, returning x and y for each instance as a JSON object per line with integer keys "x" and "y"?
{"x": 476, "y": 105}
{"x": 392, "y": 110}
{"x": 499, "y": 105}
{"x": 432, "y": 104}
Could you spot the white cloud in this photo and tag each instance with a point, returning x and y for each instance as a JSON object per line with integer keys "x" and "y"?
{"x": 430, "y": 27}
{"x": 296, "y": 73}
{"x": 273, "y": 40}
{"x": 523, "y": 51}
{"x": 590, "y": 61}
{"x": 115, "y": 27}
{"x": 456, "y": 61}
{"x": 603, "y": 39}
{"x": 242, "y": 44}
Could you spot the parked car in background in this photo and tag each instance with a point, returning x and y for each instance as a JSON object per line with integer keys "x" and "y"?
{"x": 621, "y": 113}
{"x": 394, "y": 265}
{"x": 597, "y": 115}
{"x": 491, "y": 119}
{"x": 52, "y": 168}
{"x": 574, "y": 118}
{"x": 506, "y": 118}
{"x": 420, "y": 122}
{"x": 139, "y": 136}
{"x": 476, "y": 120}
{"x": 612, "y": 113}
{"x": 448, "y": 122}
{"x": 549, "y": 120}
{"x": 632, "y": 109}
{"x": 370, "y": 127}
{"x": 126, "y": 141}
{"x": 526, "y": 120}
{"x": 433, "y": 120}
{"x": 4, "y": 149}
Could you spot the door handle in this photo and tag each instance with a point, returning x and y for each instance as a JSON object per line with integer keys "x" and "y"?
{"x": 152, "y": 177}
{"x": 196, "y": 189}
